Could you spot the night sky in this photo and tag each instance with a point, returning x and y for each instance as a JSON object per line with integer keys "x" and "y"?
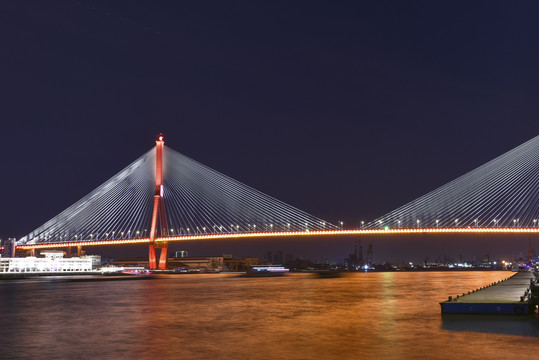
{"x": 346, "y": 110}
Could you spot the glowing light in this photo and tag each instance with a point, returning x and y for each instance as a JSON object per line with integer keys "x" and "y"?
{"x": 305, "y": 233}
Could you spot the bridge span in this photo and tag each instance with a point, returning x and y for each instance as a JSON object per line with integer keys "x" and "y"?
{"x": 314, "y": 233}
{"x": 164, "y": 197}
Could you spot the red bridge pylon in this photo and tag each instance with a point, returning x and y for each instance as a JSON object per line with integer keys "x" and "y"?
{"x": 158, "y": 209}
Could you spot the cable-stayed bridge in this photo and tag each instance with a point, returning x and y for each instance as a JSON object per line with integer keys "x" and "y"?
{"x": 165, "y": 196}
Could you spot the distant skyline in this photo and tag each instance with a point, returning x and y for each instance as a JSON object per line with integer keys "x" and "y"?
{"x": 345, "y": 110}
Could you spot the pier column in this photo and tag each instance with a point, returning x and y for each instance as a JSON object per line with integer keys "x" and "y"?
{"x": 158, "y": 207}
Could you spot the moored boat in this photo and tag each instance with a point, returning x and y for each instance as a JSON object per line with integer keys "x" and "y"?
{"x": 266, "y": 270}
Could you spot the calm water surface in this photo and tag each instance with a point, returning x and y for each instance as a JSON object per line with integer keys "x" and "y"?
{"x": 216, "y": 316}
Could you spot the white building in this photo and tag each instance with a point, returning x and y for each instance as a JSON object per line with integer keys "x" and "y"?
{"x": 52, "y": 261}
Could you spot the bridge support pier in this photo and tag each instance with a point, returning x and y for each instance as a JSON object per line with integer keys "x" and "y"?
{"x": 158, "y": 209}
{"x": 163, "y": 258}
{"x": 79, "y": 250}
{"x": 69, "y": 251}
{"x": 152, "y": 262}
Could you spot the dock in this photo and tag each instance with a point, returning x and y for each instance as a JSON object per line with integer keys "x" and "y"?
{"x": 509, "y": 296}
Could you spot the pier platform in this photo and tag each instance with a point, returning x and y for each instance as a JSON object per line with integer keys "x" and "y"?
{"x": 509, "y": 296}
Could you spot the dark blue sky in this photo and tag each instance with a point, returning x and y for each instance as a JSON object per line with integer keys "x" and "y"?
{"x": 346, "y": 110}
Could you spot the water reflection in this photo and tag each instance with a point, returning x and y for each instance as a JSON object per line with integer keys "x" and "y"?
{"x": 500, "y": 324}
{"x": 299, "y": 316}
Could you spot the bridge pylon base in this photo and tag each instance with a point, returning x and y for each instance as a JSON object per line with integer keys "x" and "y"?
{"x": 163, "y": 258}
{"x": 152, "y": 261}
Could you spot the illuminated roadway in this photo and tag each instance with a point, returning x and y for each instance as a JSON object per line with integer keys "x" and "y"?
{"x": 146, "y": 240}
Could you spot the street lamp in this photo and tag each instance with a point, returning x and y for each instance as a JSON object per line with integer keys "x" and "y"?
{"x": 456, "y": 222}
{"x": 417, "y": 223}
{"x": 437, "y": 222}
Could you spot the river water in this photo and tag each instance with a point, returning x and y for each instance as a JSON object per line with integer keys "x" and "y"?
{"x": 223, "y": 316}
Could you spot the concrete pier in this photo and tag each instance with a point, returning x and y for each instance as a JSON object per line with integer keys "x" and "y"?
{"x": 509, "y": 296}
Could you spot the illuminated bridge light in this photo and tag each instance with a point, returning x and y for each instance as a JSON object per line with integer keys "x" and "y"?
{"x": 304, "y": 233}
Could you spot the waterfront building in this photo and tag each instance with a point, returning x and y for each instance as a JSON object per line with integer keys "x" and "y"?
{"x": 50, "y": 261}
{"x": 226, "y": 262}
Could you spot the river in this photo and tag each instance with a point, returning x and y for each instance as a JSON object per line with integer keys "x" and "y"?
{"x": 392, "y": 315}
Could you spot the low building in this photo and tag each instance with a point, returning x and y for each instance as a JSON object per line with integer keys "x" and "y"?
{"x": 51, "y": 261}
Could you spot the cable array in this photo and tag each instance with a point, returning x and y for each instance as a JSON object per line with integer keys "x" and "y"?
{"x": 198, "y": 200}
{"x": 201, "y": 200}
{"x": 501, "y": 193}
{"x": 119, "y": 208}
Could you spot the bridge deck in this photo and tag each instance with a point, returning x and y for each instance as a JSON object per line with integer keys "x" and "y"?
{"x": 498, "y": 298}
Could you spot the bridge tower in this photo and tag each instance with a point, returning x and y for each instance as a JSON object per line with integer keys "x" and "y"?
{"x": 158, "y": 211}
